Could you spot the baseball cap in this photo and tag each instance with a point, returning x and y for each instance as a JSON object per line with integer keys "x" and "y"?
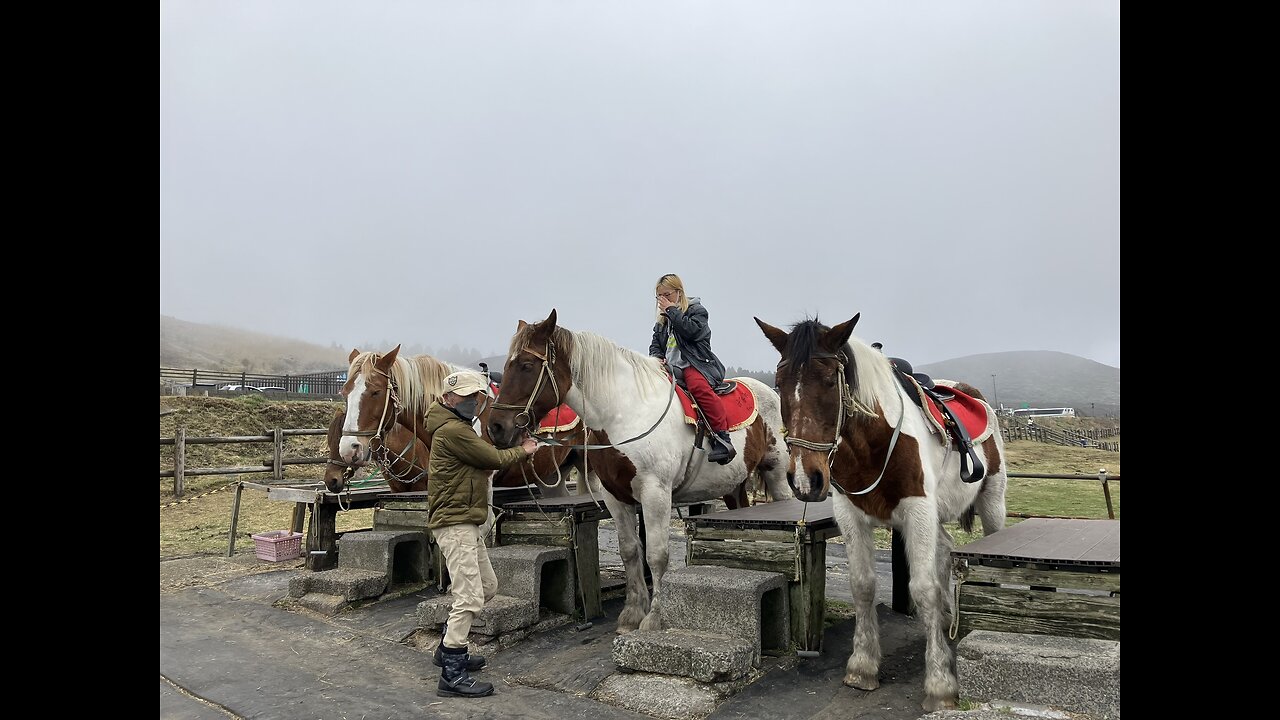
{"x": 465, "y": 382}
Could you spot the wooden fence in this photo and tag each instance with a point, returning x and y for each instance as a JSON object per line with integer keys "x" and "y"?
{"x": 1070, "y": 436}
{"x": 274, "y": 465}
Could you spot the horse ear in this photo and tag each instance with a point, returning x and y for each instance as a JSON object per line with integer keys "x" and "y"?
{"x": 777, "y": 337}
{"x": 520, "y": 325}
{"x": 837, "y": 336}
{"x": 389, "y": 358}
{"x": 550, "y": 322}
{"x": 352, "y": 356}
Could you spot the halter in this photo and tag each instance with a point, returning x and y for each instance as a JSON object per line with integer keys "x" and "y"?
{"x": 392, "y": 397}
{"x": 526, "y": 411}
{"x": 849, "y": 405}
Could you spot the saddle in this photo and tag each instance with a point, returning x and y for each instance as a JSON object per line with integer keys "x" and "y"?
{"x": 920, "y": 387}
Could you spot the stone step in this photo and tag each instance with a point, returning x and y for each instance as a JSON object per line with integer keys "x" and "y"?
{"x": 346, "y": 583}
{"x": 703, "y": 656}
{"x": 402, "y": 555}
{"x": 747, "y": 604}
{"x": 543, "y": 574}
{"x": 1075, "y": 674}
{"x": 502, "y": 614}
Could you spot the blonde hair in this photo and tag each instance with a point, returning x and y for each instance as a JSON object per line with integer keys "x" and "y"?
{"x": 673, "y": 281}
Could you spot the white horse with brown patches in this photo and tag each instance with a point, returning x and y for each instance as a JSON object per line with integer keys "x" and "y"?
{"x": 851, "y": 426}
{"x": 628, "y": 399}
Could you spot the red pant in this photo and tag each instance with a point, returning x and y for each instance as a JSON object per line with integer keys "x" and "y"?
{"x": 707, "y": 399}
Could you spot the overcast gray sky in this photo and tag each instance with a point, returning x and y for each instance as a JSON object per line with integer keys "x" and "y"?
{"x": 431, "y": 172}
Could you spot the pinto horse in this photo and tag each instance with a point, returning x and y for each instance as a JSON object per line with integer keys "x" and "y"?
{"x": 629, "y": 400}
{"x": 384, "y": 391}
{"x": 851, "y": 426}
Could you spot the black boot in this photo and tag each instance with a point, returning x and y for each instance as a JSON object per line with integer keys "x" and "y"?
{"x": 474, "y": 662}
{"x": 721, "y": 448}
{"x": 454, "y": 680}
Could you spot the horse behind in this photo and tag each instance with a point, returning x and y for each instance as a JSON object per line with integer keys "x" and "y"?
{"x": 628, "y": 399}
{"x": 852, "y": 428}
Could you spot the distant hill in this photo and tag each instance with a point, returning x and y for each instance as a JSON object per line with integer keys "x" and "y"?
{"x": 1037, "y": 378}
{"x": 214, "y": 347}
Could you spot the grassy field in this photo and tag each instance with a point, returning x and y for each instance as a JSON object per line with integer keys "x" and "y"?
{"x": 200, "y": 522}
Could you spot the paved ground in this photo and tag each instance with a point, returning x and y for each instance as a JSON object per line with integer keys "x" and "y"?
{"x": 230, "y": 648}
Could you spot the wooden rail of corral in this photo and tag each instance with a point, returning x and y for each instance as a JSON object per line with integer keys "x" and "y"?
{"x": 1068, "y": 437}
{"x": 274, "y": 465}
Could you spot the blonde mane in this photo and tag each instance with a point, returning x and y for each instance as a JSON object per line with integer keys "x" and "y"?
{"x": 420, "y": 378}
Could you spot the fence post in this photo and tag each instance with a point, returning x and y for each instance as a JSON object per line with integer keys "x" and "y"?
{"x": 235, "y": 520}
{"x": 277, "y": 466}
{"x": 1106, "y": 492}
{"x": 179, "y": 461}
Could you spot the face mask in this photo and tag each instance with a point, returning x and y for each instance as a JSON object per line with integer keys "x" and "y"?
{"x": 467, "y": 407}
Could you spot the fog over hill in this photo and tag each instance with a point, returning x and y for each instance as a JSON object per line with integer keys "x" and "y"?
{"x": 1036, "y": 378}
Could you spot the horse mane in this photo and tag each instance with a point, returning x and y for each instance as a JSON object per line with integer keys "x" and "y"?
{"x": 420, "y": 378}
{"x": 867, "y": 370}
{"x": 594, "y": 359}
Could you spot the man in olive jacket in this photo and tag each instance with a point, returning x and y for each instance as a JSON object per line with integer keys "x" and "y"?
{"x": 457, "y": 505}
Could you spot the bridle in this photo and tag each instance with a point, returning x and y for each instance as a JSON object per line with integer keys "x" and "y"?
{"x": 548, "y": 359}
{"x": 849, "y": 406}
{"x": 391, "y": 400}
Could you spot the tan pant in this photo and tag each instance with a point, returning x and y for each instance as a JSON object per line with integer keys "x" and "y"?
{"x": 471, "y": 578}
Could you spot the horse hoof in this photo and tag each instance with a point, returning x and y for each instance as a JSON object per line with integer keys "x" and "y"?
{"x": 862, "y": 682}
{"x": 936, "y": 704}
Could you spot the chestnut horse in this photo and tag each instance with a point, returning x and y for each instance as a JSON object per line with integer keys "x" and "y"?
{"x": 383, "y": 391}
{"x": 628, "y": 399}
{"x": 851, "y": 427}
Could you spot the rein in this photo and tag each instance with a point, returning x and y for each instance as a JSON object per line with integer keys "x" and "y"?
{"x": 849, "y": 405}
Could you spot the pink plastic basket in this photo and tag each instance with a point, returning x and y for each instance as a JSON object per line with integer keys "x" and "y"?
{"x": 278, "y": 545}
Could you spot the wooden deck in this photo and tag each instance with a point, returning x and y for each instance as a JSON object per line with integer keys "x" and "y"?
{"x": 1042, "y": 576}
{"x": 1079, "y": 545}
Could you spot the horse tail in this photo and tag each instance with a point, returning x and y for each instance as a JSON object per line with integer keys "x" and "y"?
{"x": 966, "y": 519}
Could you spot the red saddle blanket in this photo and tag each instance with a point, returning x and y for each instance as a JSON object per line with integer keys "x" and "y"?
{"x": 558, "y": 420}
{"x": 739, "y": 406}
{"x": 968, "y": 411}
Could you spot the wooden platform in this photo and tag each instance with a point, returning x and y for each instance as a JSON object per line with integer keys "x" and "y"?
{"x": 1042, "y": 576}
{"x": 786, "y": 536}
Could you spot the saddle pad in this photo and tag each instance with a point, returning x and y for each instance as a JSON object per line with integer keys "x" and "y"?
{"x": 968, "y": 411}
{"x": 739, "y": 406}
{"x": 558, "y": 420}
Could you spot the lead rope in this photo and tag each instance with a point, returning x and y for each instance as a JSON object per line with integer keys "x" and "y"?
{"x": 955, "y": 605}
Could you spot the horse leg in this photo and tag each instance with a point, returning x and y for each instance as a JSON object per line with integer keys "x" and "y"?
{"x": 863, "y": 667}
{"x": 637, "y": 603}
{"x": 656, "y": 504}
{"x": 920, "y": 521}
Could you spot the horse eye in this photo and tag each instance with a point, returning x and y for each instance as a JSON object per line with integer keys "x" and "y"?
{"x": 526, "y": 366}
